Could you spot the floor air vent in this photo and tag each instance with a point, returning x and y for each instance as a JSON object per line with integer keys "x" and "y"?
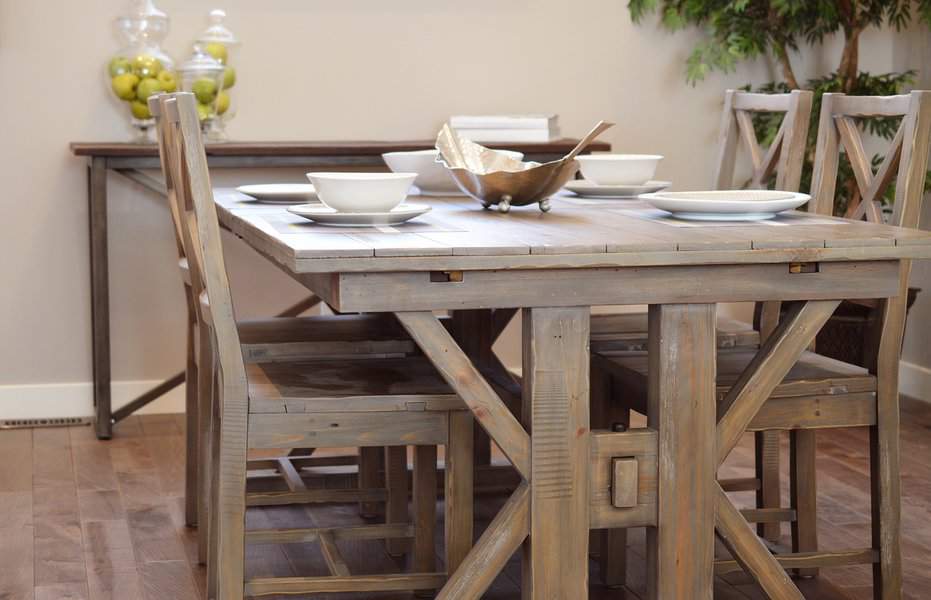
{"x": 49, "y": 422}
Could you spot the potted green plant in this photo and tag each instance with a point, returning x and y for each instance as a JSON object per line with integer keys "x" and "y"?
{"x": 739, "y": 30}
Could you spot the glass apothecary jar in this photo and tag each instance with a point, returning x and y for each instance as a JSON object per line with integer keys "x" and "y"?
{"x": 202, "y": 75}
{"x": 220, "y": 43}
{"x": 141, "y": 67}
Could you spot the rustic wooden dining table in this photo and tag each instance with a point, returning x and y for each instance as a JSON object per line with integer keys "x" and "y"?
{"x": 554, "y": 267}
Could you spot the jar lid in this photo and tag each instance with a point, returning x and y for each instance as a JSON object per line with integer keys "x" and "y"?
{"x": 217, "y": 31}
{"x": 200, "y": 62}
{"x": 143, "y": 19}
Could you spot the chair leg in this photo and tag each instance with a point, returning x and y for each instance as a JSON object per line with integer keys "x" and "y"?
{"x": 767, "y": 472}
{"x": 803, "y": 489}
{"x": 459, "y": 483}
{"x": 370, "y": 462}
{"x": 206, "y": 436}
{"x": 231, "y": 492}
{"x": 424, "y": 508}
{"x": 605, "y": 414}
{"x": 885, "y": 484}
{"x": 211, "y": 539}
{"x": 192, "y": 455}
{"x": 396, "y": 482}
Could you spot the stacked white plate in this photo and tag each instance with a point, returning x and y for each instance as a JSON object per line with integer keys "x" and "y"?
{"x": 280, "y": 193}
{"x": 590, "y": 189}
{"x": 328, "y": 216}
{"x": 361, "y": 199}
{"x": 729, "y": 205}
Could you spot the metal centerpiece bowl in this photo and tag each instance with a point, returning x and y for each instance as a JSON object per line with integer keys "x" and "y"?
{"x": 494, "y": 178}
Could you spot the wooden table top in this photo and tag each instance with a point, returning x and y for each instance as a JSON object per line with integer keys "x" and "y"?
{"x": 458, "y": 235}
{"x": 318, "y": 148}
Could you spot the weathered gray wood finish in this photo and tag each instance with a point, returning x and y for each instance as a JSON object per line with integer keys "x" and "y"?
{"x": 556, "y": 404}
{"x": 372, "y": 401}
{"x": 555, "y": 266}
{"x": 785, "y": 387}
{"x": 782, "y": 162}
{"x": 680, "y": 548}
{"x": 129, "y": 159}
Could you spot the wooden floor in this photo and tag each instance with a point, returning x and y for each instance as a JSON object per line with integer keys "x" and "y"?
{"x": 83, "y": 519}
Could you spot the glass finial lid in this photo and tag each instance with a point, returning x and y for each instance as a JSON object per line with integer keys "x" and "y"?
{"x": 144, "y": 22}
{"x": 217, "y": 31}
{"x": 200, "y": 61}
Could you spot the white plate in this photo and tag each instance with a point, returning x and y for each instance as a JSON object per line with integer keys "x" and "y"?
{"x": 280, "y": 193}
{"x": 735, "y": 205}
{"x": 583, "y": 187}
{"x": 327, "y": 216}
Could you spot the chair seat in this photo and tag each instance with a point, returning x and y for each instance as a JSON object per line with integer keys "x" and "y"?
{"x": 333, "y": 336}
{"x": 627, "y": 332}
{"x": 812, "y": 375}
{"x": 409, "y": 384}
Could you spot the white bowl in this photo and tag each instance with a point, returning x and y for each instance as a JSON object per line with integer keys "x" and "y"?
{"x": 432, "y": 176}
{"x": 619, "y": 169}
{"x": 362, "y": 192}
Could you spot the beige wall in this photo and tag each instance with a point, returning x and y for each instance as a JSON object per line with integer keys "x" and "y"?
{"x": 360, "y": 69}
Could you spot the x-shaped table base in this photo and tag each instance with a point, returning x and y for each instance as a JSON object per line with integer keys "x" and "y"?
{"x": 551, "y": 506}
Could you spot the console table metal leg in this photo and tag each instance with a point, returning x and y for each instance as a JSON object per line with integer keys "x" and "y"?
{"x": 100, "y": 295}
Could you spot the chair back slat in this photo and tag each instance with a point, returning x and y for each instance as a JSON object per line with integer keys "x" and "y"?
{"x": 785, "y": 155}
{"x": 162, "y": 133}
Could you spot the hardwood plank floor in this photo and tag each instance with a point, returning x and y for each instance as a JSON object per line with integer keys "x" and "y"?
{"x": 89, "y": 520}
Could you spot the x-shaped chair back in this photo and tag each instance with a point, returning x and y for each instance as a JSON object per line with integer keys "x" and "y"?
{"x": 784, "y": 156}
{"x": 905, "y": 163}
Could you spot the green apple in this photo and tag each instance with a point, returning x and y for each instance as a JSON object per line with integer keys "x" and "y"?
{"x": 168, "y": 81}
{"x": 204, "y": 111}
{"x": 205, "y": 90}
{"x": 217, "y": 50}
{"x": 140, "y": 109}
{"x": 120, "y": 65}
{"x": 147, "y": 87}
{"x": 146, "y": 65}
{"x": 229, "y": 77}
{"x": 223, "y": 102}
{"x": 124, "y": 86}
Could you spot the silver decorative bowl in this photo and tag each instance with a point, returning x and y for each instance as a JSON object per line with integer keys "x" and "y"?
{"x": 496, "y": 179}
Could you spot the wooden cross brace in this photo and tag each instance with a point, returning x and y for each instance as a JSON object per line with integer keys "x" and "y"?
{"x": 777, "y": 355}
{"x": 871, "y": 186}
{"x": 763, "y": 164}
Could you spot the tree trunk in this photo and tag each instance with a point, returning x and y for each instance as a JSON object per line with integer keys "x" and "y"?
{"x": 850, "y": 59}
{"x": 788, "y": 73}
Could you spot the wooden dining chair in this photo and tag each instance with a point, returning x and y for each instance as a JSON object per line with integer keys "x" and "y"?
{"x": 353, "y": 401}
{"x": 282, "y": 338}
{"x": 810, "y": 391}
{"x": 261, "y": 334}
{"x": 779, "y": 163}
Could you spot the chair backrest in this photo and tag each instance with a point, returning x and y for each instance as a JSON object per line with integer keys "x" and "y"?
{"x": 905, "y": 163}
{"x": 785, "y": 155}
{"x": 187, "y": 162}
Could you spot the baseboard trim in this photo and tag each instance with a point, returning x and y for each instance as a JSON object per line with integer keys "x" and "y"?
{"x": 915, "y": 381}
{"x": 51, "y": 400}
